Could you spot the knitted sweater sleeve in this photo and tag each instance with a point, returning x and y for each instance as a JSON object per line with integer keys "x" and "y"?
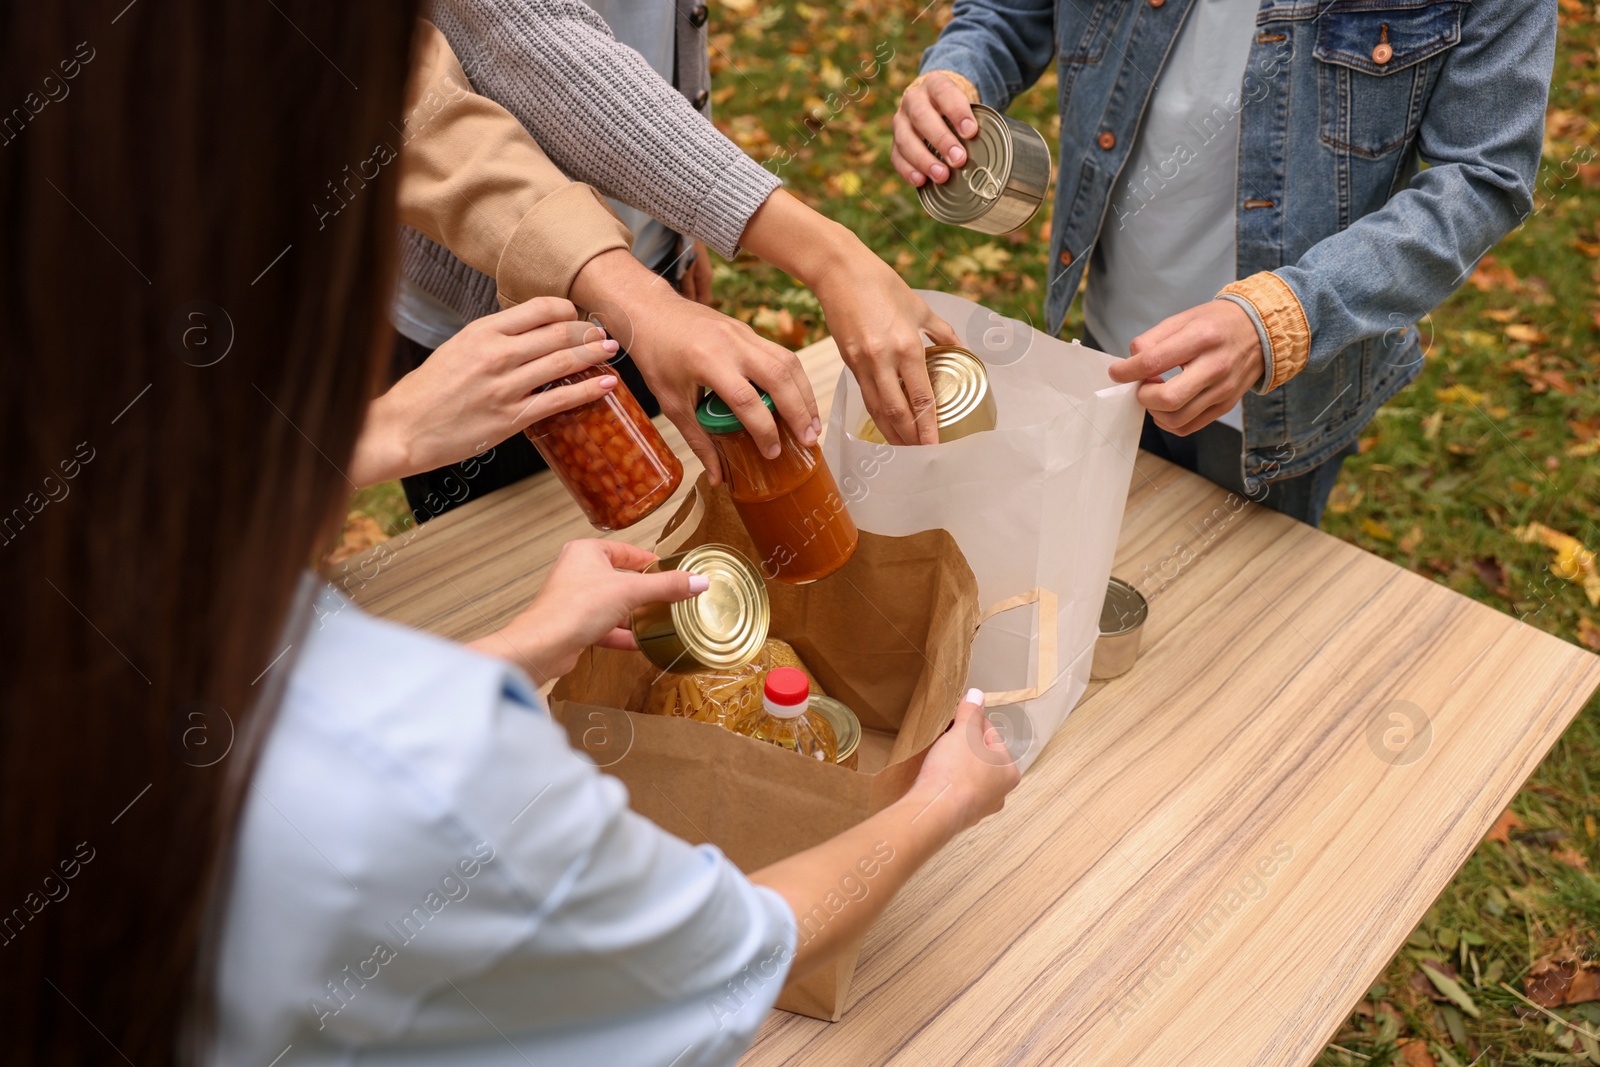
{"x": 604, "y": 116}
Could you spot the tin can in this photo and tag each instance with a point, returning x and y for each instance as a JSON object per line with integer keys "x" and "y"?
{"x": 725, "y": 626}
{"x": 961, "y": 395}
{"x": 846, "y": 727}
{"x": 1122, "y": 618}
{"x": 1002, "y": 183}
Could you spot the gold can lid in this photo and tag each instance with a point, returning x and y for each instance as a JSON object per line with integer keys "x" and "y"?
{"x": 961, "y": 396}
{"x": 846, "y": 727}
{"x": 725, "y": 626}
{"x": 960, "y": 391}
{"x": 976, "y": 185}
{"x": 1124, "y": 611}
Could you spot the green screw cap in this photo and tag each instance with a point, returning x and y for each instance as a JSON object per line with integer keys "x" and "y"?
{"x": 715, "y": 416}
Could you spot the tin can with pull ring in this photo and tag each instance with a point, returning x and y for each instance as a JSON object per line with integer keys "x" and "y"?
{"x": 1002, "y": 183}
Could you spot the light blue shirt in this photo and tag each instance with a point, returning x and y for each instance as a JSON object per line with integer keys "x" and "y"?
{"x": 1168, "y": 241}
{"x": 426, "y": 872}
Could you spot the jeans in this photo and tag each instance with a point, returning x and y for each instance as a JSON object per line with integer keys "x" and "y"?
{"x": 1213, "y": 453}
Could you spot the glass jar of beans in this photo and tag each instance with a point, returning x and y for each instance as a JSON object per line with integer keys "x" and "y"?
{"x": 609, "y": 455}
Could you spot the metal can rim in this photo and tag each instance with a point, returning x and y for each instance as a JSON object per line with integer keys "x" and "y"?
{"x": 1134, "y": 612}
{"x": 930, "y": 193}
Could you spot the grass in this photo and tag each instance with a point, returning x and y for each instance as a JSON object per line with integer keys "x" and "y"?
{"x": 1501, "y": 431}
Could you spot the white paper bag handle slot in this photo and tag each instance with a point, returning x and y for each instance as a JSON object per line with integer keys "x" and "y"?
{"x": 1044, "y": 640}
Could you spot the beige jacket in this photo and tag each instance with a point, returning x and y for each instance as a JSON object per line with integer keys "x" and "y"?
{"x": 472, "y": 179}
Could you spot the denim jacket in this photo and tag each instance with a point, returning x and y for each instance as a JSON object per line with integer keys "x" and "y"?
{"x": 1385, "y": 146}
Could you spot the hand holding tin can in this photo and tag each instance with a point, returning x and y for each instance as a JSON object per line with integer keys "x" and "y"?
{"x": 994, "y": 182}
{"x": 963, "y": 402}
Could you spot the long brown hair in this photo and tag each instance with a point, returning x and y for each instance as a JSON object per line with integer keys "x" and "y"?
{"x": 196, "y": 249}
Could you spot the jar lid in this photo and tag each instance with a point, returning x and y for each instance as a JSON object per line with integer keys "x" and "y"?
{"x": 725, "y": 626}
{"x": 715, "y": 416}
{"x": 976, "y": 185}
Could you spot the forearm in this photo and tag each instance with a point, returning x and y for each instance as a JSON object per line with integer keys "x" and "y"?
{"x": 808, "y": 247}
{"x": 604, "y": 116}
{"x": 472, "y": 179}
{"x": 839, "y": 888}
{"x": 381, "y": 454}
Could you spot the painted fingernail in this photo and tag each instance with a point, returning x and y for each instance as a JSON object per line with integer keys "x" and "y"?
{"x": 974, "y": 696}
{"x": 608, "y": 382}
{"x": 609, "y": 346}
{"x": 698, "y": 583}
{"x": 957, "y": 154}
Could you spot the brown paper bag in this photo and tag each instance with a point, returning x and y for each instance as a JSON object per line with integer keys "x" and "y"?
{"x": 889, "y": 635}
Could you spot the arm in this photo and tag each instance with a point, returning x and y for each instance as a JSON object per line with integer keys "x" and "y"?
{"x": 1394, "y": 265}
{"x": 604, "y": 116}
{"x": 472, "y": 179}
{"x": 1001, "y": 47}
{"x": 964, "y": 779}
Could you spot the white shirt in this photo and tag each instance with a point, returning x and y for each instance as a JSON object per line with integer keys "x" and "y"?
{"x": 1169, "y": 241}
{"x": 426, "y": 872}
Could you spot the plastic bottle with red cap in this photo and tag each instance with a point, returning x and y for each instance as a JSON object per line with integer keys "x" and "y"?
{"x": 786, "y": 718}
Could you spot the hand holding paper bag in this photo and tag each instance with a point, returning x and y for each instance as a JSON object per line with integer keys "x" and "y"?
{"x": 1035, "y": 505}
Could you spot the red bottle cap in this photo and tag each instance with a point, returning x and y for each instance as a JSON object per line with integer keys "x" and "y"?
{"x": 787, "y": 689}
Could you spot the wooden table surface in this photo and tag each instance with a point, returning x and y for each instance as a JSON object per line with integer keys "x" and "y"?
{"x": 1218, "y": 853}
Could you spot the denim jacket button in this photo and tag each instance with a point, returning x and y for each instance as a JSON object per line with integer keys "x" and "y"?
{"x": 1107, "y": 140}
{"x": 1065, "y": 258}
{"x": 1157, "y": 3}
{"x": 1382, "y": 54}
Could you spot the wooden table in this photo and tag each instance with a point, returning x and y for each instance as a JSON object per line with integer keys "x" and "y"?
{"x": 1219, "y": 852}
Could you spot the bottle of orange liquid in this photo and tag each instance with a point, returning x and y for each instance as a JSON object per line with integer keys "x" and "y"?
{"x": 786, "y": 717}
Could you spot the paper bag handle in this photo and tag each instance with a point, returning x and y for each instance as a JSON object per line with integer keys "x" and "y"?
{"x": 1045, "y": 678}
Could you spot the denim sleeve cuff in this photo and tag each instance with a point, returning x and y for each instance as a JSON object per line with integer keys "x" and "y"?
{"x": 960, "y": 80}
{"x": 1280, "y": 323}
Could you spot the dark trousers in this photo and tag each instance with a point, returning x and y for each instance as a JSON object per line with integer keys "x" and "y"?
{"x": 1213, "y": 453}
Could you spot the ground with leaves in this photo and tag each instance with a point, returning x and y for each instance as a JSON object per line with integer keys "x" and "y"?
{"x": 1482, "y": 475}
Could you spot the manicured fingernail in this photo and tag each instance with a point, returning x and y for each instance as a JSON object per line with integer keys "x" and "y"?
{"x": 698, "y": 583}
{"x": 957, "y": 154}
{"x": 974, "y": 696}
{"x": 609, "y": 346}
{"x": 608, "y": 382}
{"x": 969, "y": 128}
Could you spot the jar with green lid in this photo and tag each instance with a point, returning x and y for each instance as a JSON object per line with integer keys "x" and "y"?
{"x": 790, "y": 505}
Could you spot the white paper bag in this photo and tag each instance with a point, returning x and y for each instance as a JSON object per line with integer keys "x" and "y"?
{"x": 1035, "y": 504}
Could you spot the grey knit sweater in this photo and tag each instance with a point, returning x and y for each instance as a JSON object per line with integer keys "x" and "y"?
{"x": 603, "y": 116}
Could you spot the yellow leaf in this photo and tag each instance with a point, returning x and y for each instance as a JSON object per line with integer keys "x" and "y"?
{"x": 1377, "y": 530}
{"x": 832, "y": 76}
{"x": 739, "y": 6}
{"x": 1431, "y": 424}
{"x": 1459, "y": 394}
{"x": 1519, "y": 331}
{"x": 849, "y": 182}
{"x": 1584, "y": 449}
{"x": 991, "y": 256}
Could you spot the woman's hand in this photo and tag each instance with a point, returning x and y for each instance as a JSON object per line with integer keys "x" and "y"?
{"x": 478, "y": 388}
{"x": 586, "y": 600}
{"x": 968, "y": 770}
{"x": 931, "y": 112}
{"x": 680, "y": 346}
{"x": 1219, "y": 350}
{"x": 875, "y": 318}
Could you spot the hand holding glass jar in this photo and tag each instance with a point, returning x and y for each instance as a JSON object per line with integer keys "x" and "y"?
{"x": 790, "y": 505}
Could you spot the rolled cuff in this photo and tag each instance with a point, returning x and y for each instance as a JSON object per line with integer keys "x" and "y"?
{"x": 553, "y": 241}
{"x": 960, "y": 80}
{"x": 1280, "y": 322}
